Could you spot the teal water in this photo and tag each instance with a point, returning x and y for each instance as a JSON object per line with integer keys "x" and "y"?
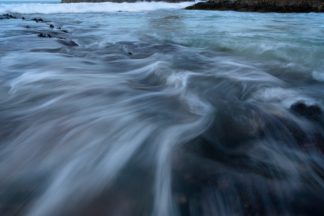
{"x": 148, "y": 109}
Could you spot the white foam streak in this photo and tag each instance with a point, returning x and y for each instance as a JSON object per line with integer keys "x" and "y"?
{"x": 318, "y": 75}
{"x": 89, "y": 7}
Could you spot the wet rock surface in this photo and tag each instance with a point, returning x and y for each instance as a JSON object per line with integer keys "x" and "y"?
{"x": 44, "y": 35}
{"x": 7, "y": 16}
{"x": 53, "y": 30}
{"x": 282, "y": 6}
{"x": 312, "y": 111}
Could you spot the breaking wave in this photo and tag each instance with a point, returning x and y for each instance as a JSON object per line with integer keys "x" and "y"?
{"x": 41, "y": 8}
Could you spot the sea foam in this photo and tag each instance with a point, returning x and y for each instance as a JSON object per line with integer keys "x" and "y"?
{"x": 89, "y": 7}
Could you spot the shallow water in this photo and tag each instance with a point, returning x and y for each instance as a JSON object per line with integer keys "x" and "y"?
{"x": 128, "y": 109}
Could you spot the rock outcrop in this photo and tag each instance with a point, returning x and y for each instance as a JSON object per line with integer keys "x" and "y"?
{"x": 283, "y": 6}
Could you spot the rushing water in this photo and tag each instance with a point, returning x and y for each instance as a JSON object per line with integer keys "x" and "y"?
{"x": 131, "y": 110}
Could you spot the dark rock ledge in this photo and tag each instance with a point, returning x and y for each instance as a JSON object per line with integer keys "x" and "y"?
{"x": 282, "y": 6}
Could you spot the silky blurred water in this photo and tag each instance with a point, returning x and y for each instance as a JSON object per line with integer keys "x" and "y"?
{"x": 148, "y": 109}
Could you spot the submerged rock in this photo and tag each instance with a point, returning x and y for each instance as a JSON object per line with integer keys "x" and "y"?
{"x": 309, "y": 111}
{"x": 44, "y": 35}
{"x": 7, "y": 16}
{"x": 69, "y": 43}
{"x": 38, "y": 20}
{"x": 283, "y": 6}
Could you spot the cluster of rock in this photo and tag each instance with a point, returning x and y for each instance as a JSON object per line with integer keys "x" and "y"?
{"x": 53, "y": 31}
{"x": 283, "y": 6}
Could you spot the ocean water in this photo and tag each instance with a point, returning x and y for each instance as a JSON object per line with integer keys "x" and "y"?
{"x": 146, "y": 109}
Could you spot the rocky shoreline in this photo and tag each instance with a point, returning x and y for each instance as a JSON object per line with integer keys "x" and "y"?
{"x": 282, "y": 6}
{"x": 53, "y": 30}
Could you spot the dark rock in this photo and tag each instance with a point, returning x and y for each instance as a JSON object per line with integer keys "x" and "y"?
{"x": 38, "y": 20}
{"x": 69, "y": 43}
{"x": 65, "y": 31}
{"x": 283, "y": 6}
{"x": 12, "y": 17}
{"x": 44, "y": 35}
{"x": 309, "y": 111}
{"x": 7, "y": 16}
{"x": 51, "y": 26}
{"x": 236, "y": 127}
{"x": 27, "y": 26}
{"x": 130, "y": 53}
